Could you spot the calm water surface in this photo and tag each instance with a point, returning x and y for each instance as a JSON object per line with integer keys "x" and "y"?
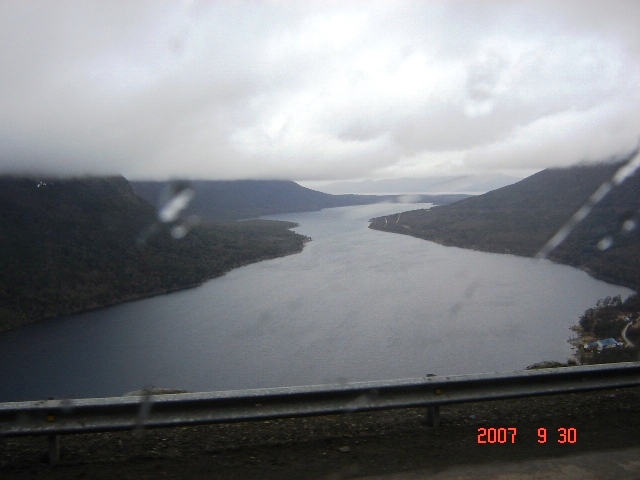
{"x": 356, "y": 304}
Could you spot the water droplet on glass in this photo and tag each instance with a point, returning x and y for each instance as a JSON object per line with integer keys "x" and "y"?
{"x": 629, "y": 225}
{"x": 605, "y": 243}
{"x": 179, "y": 231}
{"x": 624, "y": 172}
{"x": 177, "y": 199}
{"x": 66, "y": 405}
{"x": 145, "y": 408}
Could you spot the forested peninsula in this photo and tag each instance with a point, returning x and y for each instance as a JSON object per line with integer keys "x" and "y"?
{"x": 73, "y": 245}
{"x": 520, "y": 218}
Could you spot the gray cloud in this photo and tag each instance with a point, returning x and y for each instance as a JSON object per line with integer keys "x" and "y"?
{"x": 313, "y": 92}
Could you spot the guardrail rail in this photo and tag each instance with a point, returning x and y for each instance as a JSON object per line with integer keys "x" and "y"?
{"x": 67, "y": 416}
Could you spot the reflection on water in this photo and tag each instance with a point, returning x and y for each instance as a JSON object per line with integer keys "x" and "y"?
{"x": 356, "y": 304}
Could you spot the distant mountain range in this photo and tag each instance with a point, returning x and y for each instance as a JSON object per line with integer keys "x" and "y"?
{"x": 469, "y": 184}
{"x": 520, "y": 219}
{"x": 240, "y": 199}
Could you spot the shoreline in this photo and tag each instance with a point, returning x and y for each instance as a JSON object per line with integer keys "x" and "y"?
{"x": 134, "y": 297}
{"x": 588, "y": 271}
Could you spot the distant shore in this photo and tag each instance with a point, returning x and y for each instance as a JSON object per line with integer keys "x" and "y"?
{"x": 408, "y": 230}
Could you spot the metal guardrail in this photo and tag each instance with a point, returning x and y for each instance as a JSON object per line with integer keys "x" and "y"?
{"x": 57, "y": 417}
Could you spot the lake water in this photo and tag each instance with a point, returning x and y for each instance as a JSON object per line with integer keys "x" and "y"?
{"x": 356, "y": 304}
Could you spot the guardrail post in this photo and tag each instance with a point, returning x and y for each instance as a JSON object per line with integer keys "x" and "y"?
{"x": 433, "y": 411}
{"x": 433, "y": 415}
{"x": 53, "y": 442}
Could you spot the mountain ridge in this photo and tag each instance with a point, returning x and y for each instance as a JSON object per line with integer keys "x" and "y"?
{"x": 520, "y": 218}
{"x": 425, "y": 185}
{"x": 241, "y": 199}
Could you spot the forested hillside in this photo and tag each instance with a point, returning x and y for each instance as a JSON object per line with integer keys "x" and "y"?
{"x": 522, "y": 217}
{"x": 216, "y": 200}
{"x": 72, "y": 245}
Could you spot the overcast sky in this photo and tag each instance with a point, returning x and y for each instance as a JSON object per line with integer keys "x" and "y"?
{"x": 315, "y": 90}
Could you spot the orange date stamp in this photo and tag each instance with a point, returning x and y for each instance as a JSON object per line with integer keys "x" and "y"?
{"x": 508, "y": 435}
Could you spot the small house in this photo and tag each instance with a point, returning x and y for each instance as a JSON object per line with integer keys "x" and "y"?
{"x": 608, "y": 343}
